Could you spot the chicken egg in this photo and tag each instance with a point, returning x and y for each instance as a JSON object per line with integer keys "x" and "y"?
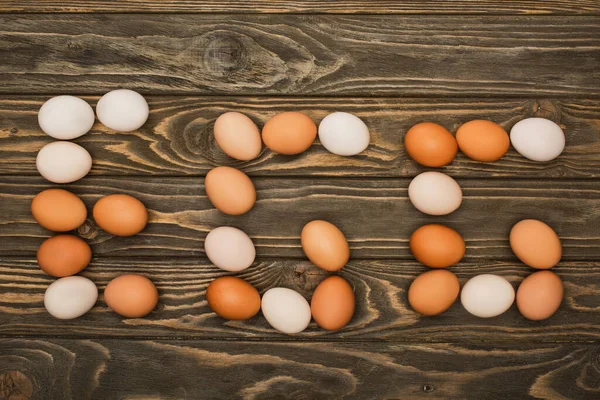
{"x": 66, "y": 117}
{"x": 434, "y": 193}
{"x": 332, "y": 305}
{"x": 487, "y": 295}
{"x": 229, "y": 248}
{"x": 286, "y": 310}
{"x": 437, "y": 246}
{"x": 58, "y": 210}
{"x": 237, "y": 136}
{"x": 132, "y": 296}
{"x": 535, "y": 244}
{"x": 482, "y": 140}
{"x": 325, "y": 245}
{"x": 70, "y": 297}
{"x": 63, "y": 162}
{"x": 63, "y": 255}
{"x": 289, "y": 133}
{"x": 230, "y": 190}
{"x": 538, "y": 139}
{"x": 430, "y": 144}
{"x": 233, "y": 298}
{"x": 540, "y": 295}
{"x": 120, "y": 215}
{"x": 122, "y": 110}
{"x": 433, "y": 292}
{"x": 344, "y": 134}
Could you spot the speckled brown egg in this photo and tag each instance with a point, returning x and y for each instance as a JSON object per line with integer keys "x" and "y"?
{"x": 230, "y": 190}
{"x": 233, "y": 298}
{"x": 132, "y": 296}
{"x": 482, "y": 140}
{"x": 437, "y": 246}
{"x": 540, "y": 295}
{"x": 289, "y": 133}
{"x": 63, "y": 255}
{"x": 433, "y": 292}
{"x": 325, "y": 245}
{"x": 332, "y": 305}
{"x": 535, "y": 244}
{"x": 120, "y": 214}
{"x": 58, "y": 210}
{"x": 430, "y": 144}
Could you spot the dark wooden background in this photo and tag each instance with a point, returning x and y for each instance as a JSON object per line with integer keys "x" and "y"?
{"x": 393, "y": 64}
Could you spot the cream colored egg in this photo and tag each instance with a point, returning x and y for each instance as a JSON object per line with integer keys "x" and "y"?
{"x": 229, "y": 248}
{"x": 435, "y": 193}
{"x": 70, "y": 297}
{"x": 286, "y": 310}
{"x": 66, "y": 117}
{"x": 122, "y": 110}
{"x": 63, "y": 162}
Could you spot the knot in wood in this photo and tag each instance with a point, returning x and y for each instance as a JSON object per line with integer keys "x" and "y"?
{"x": 546, "y": 109}
{"x": 14, "y": 385}
{"x": 428, "y": 388}
{"x": 88, "y": 230}
{"x": 224, "y": 53}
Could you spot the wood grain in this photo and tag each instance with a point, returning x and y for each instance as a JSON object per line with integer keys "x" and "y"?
{"x": 178, "y": 137}
{"x": 375, "y": 215}
{"x": 380, "y": 288}
{"x": 299, "y": 54}
{"x": 109, "y": 369}
{"x": 462, "y": 7}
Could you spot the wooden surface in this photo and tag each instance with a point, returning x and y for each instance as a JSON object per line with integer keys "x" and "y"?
{"x": 442, "y": 61}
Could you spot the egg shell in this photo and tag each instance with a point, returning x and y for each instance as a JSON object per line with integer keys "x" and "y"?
{"x": 434, "y": 193}
{"x": 332, "y": 305}
{"x": 289, "y": 133}
{"x": 63, "y": 162}
{"x": 539, "y": 295}
{"x": 230, "y": 190}
{"x": 233, "y": 298}
{"x": 538, "y": 139}
{"x": 66, "y": 117}
{"x": 535, "y": 244}
{"x": 120, "y": 214}
{"x": 430, "y": 144}
{"x": 437, "y": 246}
{"x": 286, "y": 310}
{"x": 63, "y": 255}
{"x": 132, "y": 296}
{"x": 433, "y": 292}
{"x": 58, "y": 210}
{"x": 229, "y": 248}
{"x": 122, "y": 110}
{"x": 482, "y": 140}
{"x": 70, "y": 297}
{"x": 325, "y": 245}
{"x": 487, "y": 295}
{"x": 237, "y": 136}
{"x": 344, "y": 134}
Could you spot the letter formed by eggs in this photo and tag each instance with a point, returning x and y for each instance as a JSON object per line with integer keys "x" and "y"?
{"x": 325, "y": 245}
{"x": 132, "y": 296}
{"x": 229, "y": 248}
{"x": 433, "y": 292}
{"x": 63, "y": 162}
{"x": 122, "y": 110}
{"x": 434, "y": 193}
{"x": 120, "y": 214}
{"x": 58, "y": 210}
{"x": 538, "y": 139}
{"x": 286, "y": 310}
{"x": 430, "y": 144}
{"x": 482, "y": 140}
{"x": 332, "y": 304}
{"x": 535, "y": 244}
{"x": 233, "y": 298}
{"x": 230, "y": 190}
{"x": 66, "y": 117}
{"x": 70, "y": 297}
{"x": 540, "y": 295}
{"x": 289, "y": 133}
{"x": 487, "y": 295}
{"x": 63, "y": 255}
{"x": 344, "y": 134}
{"x": 437, "y": 246}
{"x": 237, "y": 136}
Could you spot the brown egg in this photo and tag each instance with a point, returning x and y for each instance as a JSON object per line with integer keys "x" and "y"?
{"x": 237, "y": 136}
{"x": 437, "y": 246}
{"x": 233, "y": 298}
{"x": 325, "y": 245}
{"x": 535, "y": 244}
{"x": 430, "y": 144}
{"x": 289, "y": 133}
{"x": 332, "y": 304}
{"x": 540, "y": 295}
{"x": 230, "y": 190}
{"x": 433, "y": 292}
{"x": 120, "y": 214}
{"x": 132, "y": 296}
{"x": 58, "y": 210}
{"x": 482, "y": 140}
{"x": 63, "y": 255}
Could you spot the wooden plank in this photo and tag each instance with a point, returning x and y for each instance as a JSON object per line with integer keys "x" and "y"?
{"x": 298, "y": 54}
{"x": 177, "y": 139}
{"x": 110, "y": 369}
{"x": 376, "y": 215}
{"x": 381, "y": 297}
{"x": 463, "y": 7}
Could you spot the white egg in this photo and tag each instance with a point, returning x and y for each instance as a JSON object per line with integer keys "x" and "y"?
{"x": 434, "y": 193}
{"x": 344, "y": 134}
{"x": 122, "y": 110}
{"x": 487, "y": 295}
{"x": 229, "y": 248}
{"x": 70, "y": 297}
{"x": 63, "y": 162}
{"x": 286, "y": 310}
{"x": 66, "y": 117}
{"x": 538, "y": 139}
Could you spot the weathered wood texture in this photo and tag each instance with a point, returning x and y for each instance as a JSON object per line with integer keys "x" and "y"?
{"x": 107, "y": 369}
{"x": 299, "y": 54}
{"x": 178, "y": 137}
{"x": 461, "y": 7}
{"x": 375, "y": 215}
{"x": 381, "y": 298}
